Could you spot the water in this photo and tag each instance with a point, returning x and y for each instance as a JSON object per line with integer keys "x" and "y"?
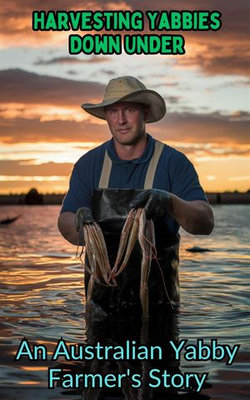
{"x": 42, "y": 299}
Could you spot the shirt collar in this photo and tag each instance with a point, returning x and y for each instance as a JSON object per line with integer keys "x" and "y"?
{"x": 145, "y": 157}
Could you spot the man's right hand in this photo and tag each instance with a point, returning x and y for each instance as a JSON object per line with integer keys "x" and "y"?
{"x": 83, "y": 217}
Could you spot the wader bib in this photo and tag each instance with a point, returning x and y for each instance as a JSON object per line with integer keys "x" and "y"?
{"x": 110, "y": 210}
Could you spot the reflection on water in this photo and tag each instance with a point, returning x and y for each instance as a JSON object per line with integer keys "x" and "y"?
{"x": 153, "y": 334}
{"x": 42, "y": 299}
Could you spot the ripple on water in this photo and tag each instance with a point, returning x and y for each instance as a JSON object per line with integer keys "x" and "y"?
{"x": 42, "y": 298}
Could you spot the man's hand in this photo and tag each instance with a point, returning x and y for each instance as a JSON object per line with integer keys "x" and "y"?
{"x": 83, "y": 216}
{"x": 156, "y": 202}
{"x": 195, "y": 216}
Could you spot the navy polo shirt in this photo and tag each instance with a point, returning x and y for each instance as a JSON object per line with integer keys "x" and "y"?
{"x": 174, "y": 173}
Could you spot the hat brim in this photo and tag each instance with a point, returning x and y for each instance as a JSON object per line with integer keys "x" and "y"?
{"x": 157, "y": 107}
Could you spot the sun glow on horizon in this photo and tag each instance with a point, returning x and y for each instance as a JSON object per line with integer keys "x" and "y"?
{"x": 219, "y": 168}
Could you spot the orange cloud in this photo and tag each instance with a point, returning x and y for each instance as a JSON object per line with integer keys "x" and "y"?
{"x": 44, "y": 112}
{"x": 43, "y": 108}
{"x": 27, "y": 168}
{"x": 33, "y": 130}
{"x": 215, "y": 58}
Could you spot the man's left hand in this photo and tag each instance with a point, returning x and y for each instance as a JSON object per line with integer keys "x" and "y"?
{"x": 83, "y": 217}
{"x": 156, "y": 202}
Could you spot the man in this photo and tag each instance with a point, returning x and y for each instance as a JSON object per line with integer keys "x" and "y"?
{"x": 135, "y": 170}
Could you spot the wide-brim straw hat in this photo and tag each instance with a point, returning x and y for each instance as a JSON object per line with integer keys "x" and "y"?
{"x": 129, "y": 89}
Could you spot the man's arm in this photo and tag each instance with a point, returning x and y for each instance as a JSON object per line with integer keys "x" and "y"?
{"x": 195, "y": 216}
{"x": 67, "y": 227}
{"x": 71, "y": 225}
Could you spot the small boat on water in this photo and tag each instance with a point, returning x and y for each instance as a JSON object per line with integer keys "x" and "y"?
{"x": 7, "y": 221}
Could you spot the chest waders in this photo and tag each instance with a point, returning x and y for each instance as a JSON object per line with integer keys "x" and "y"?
{"x": 110, "y": 210}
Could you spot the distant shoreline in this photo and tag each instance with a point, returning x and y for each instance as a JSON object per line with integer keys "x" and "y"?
{"x": 56, "y": 199}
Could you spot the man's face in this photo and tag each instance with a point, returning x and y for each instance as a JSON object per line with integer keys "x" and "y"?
{"x": 126, "y": 122}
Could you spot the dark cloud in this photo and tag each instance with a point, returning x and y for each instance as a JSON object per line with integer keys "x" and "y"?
{"x": 240, "y": 116}
{"x": 202, "y": 128}
{"x": 220, "y": 61}
{"x": 163, "y": 84}
{"x": 171, "y": 99}
{"x": 71, "y": 72}
{"x": 183, "y": 127}
{"x": 19, "y": 86}
{"x": 229, "y": 84}
{"x": 243, "y": 82}
{"x": 33, "y": 130}
{"x": 108, "y": 72}
{"x": 222, "y": 52}
{"x": 72, "y": 60}
{"x": 235, "y": 15}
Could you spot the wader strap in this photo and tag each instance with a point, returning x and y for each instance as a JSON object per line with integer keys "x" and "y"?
{"x": 148, "y": 184}
{"x": 105, "y": 174}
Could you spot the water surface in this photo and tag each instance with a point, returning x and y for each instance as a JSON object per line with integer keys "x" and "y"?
{"x": 42, "y": 299}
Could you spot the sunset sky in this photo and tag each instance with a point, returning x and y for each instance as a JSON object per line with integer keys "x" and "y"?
{"x": 44, "y": 130}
